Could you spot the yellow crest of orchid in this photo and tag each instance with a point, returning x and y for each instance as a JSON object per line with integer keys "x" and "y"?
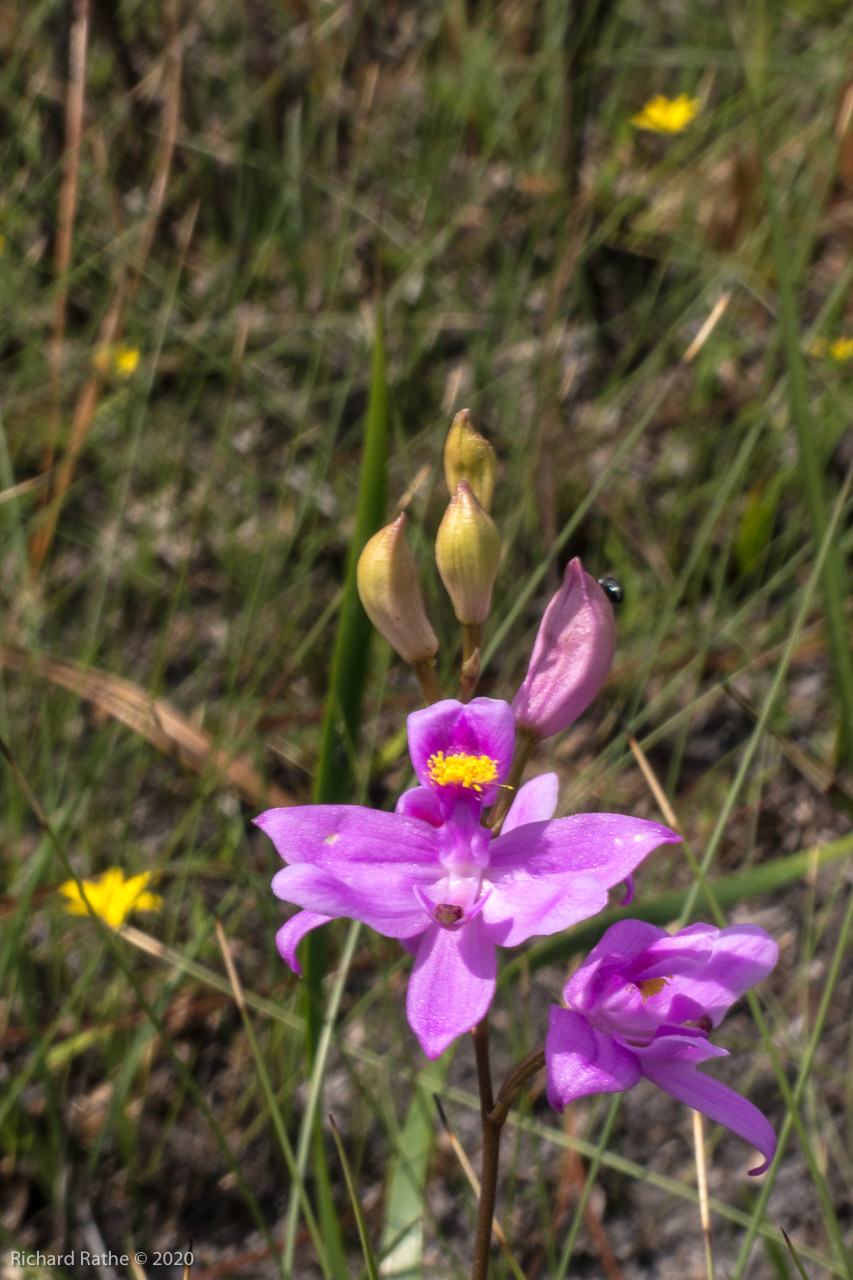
{"x": 111, "y": 896}
{"x": 666, "y": 115}
{"x": 461, "y": 770}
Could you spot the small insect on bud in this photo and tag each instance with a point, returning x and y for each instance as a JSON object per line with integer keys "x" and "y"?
{"x": 388, "y": 586}
{"x": 469, "y": 456}
{"x": 467, "y": 551}
{"x": 612, "y": 588}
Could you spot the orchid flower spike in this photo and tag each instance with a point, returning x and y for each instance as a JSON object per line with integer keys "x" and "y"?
{"x": 433, "y": 876}
{"x": 571, "y": 657}
{"x": 643, "y": 1003}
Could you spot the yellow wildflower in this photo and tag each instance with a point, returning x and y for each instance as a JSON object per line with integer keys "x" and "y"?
{"x": 841, "y": 348}
{"x": 111, "y": 896}
{"x": 116, "y": 358}
{"x": 666, "y": 115}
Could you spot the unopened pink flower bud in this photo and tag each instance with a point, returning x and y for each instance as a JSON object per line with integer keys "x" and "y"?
{"x": 388, "y": 586}
{"x": 468, "y": 551}
{"x": 571, "y": 657}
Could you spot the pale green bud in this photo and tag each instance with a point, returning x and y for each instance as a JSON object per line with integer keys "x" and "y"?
{"x": 388, "y": 586}
{"x": 469, "y": 456}
{"x": 467, "y": 551}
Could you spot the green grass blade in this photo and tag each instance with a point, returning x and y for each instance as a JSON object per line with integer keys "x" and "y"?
{"x": 833, "y": 576}
{"x": 789, "y": 1242}
{"x": 402, "y": 1231}
{"x": 349, "y": 662}
{"x": 341, "y": 724}
{"x": 369, "y": 1259}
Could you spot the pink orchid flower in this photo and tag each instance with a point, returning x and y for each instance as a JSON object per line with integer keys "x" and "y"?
{"x": 643, "y": 1004}
{"x": 431, "y": 874}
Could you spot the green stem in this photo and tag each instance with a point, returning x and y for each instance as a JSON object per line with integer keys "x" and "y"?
{"x": 428, "y": 680}
{"x": 472, "y": 641}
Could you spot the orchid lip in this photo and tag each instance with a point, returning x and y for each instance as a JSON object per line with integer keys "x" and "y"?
{"x": 448, "y": 919}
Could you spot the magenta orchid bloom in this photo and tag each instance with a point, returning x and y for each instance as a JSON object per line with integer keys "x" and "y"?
{"x": 571, "y": 656}
{"x": 431, "y": 875}
{"x": 643, "y": 1004}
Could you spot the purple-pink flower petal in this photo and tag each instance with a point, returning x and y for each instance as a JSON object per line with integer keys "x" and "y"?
{"x": 293, "y": 931}
{"x": 535, "y": 802}
{"x": 522, "y": 904}
{"x": 483, "y": 727}
{"x": 740, "y": 956}
{"x": 387, "y": 902}
{"x": 331, "y": 835}
{"x": 607, "y": 844}
{"x": 452, "y": 983}
{"x": 581, "y": 1060}
{"x": 420, "y": 802}
{"x": 715, "y": 1100}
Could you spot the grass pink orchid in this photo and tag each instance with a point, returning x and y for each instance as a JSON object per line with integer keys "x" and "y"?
{"x": 643, "y": 1004}
{"x": 431, "y": 874}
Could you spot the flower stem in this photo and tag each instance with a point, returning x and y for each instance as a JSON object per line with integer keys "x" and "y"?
{"x": 493, "y": 1114}
{"x": 516, "y": 1080}
{"x": 491, "y": 1152}
{"x": 472, "y": 639}
{"x": 428, "y": 680}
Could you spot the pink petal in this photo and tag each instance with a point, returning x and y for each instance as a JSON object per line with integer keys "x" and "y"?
{"x": 420, "y": 802}
{"x": 293, "y": 931}
{"x": 485, "y": 727}
{"x": 715, "y": 1100}
{"x": 335, "y": 835}
{"x": 724, "y": 964}
{"x": 385, "y": 902}
{"x": 608, "y": 845}
{"x": 452, "y": 983}
{"x": 535, "y": 802}
{"x": 581, "y": 1060}
{"x": 522, "y": 904}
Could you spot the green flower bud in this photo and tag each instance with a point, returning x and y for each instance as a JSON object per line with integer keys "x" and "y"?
{"x": 388, "y": 586}
{"x": 467, "y": 551}
{"x": 469, "y": 456}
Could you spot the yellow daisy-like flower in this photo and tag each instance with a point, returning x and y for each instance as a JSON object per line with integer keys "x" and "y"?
{"x": 666, "y": 115}
{"x": 117, "y": 359}
{"x": 111, "y": 896}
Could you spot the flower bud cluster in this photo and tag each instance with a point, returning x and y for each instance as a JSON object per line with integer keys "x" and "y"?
{"x": 467, "y": 551}
{"x": 576, "y": 639}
